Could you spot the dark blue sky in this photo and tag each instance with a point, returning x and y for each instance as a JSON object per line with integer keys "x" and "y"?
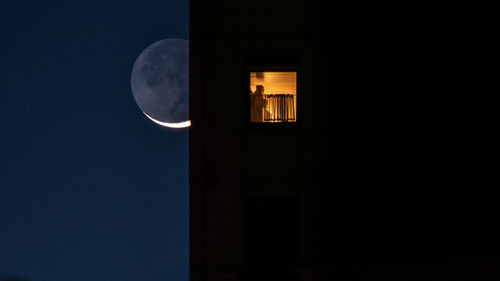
{"x": 90, "y": 188}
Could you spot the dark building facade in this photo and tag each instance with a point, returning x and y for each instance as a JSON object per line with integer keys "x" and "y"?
{"x": 379, "y": 169}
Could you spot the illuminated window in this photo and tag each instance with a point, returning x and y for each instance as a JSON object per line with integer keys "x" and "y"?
{"x": 273, "y": 97}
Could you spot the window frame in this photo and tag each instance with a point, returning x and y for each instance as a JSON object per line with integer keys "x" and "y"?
{"x": 271, "y": 67}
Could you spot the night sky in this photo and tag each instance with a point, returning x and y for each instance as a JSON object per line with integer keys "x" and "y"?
{"x": 90, "y": 189}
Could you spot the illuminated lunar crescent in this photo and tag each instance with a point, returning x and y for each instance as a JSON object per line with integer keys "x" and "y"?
{"x": 160, "y": 82}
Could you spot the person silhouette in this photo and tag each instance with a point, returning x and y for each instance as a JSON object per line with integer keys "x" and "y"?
{"x": 257, "y": 104}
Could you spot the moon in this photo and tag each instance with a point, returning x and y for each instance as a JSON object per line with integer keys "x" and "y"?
{"x": 160, "y": 82}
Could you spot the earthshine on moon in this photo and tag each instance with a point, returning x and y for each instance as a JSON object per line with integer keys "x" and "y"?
{"x": 160, "y": 82}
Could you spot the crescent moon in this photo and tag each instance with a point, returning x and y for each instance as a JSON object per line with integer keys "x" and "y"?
{"x": 170, "y": 125}
{"x": 160, "y": 82}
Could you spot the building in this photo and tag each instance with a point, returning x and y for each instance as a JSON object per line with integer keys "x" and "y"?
{"x": 365, "y": 172}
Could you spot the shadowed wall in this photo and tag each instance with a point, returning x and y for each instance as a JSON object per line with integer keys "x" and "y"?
{"x": 386, "y": 170}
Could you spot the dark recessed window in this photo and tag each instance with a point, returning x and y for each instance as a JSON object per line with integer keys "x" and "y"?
{"x": 273, "y": 96}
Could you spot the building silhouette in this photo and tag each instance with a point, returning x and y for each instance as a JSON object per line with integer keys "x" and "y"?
{"x": 383, "y": 173}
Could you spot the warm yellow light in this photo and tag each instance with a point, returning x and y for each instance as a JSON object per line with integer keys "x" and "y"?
{"x": 274, "y": 82}
{"x": 273, "y": 96}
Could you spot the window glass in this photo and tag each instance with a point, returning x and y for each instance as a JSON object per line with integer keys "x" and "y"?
{"x": 273, "y": 97}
